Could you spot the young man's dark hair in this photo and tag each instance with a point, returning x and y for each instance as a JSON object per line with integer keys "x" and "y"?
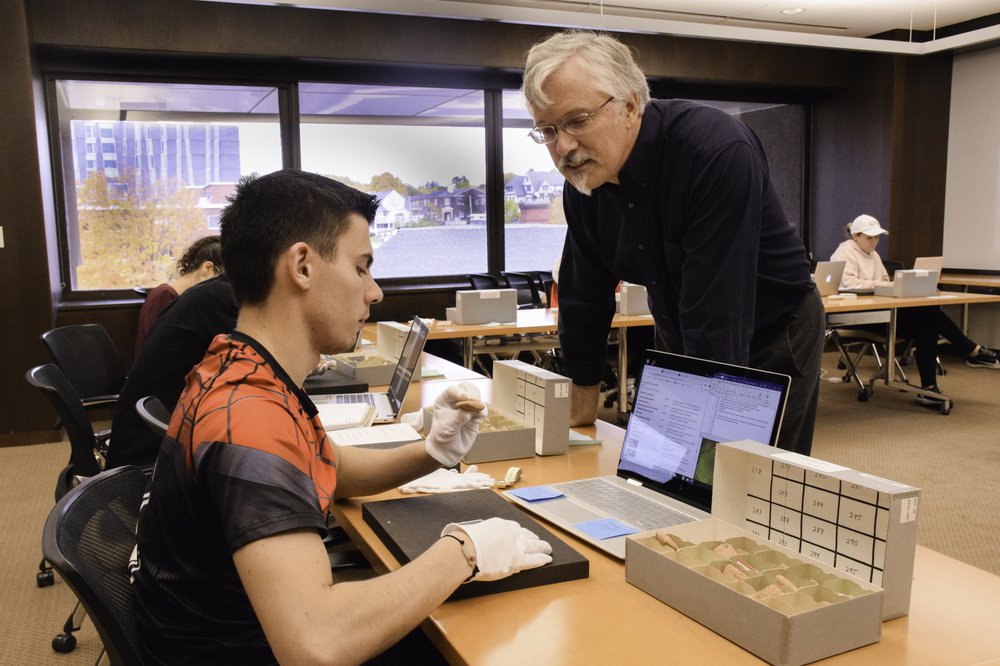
{"x": 269, "y": 213}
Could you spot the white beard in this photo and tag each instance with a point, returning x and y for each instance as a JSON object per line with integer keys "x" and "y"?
{"x": 579, "y": 181}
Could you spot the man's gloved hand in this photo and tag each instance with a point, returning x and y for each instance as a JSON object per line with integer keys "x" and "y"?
{"x": 449, "y": 480}
{"x": 502, "y": 547}
{"x": 454, "y": 427}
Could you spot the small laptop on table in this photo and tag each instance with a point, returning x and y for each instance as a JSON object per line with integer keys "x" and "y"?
{"x": 387, "y": 404}
{"x": 827, "y": 276}
{"x": 684, "y": 406}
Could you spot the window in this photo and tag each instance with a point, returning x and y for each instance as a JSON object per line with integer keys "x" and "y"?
{"x": 147, "y": 168}
{"x": 534, "y": 223}
{"x": 422, "y": 151}
{"x": 167, "y": 156}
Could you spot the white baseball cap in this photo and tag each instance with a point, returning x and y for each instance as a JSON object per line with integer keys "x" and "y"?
{"x": 867, "y": 225}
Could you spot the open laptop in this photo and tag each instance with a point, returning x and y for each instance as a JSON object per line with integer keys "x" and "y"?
{"x": 929, "y": 264}
{"x": 387, "y": 404}
{"x": 827, "y": 276}
{"x": 910, "y": 283}
{"x": 684, "y": 406}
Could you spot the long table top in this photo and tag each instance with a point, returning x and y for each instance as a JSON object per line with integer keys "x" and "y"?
{"x": 531, "y": 320}
{"x": 970, "y": 279}
{"x": 863, "y": 303}
{"x": 604, "y": 620}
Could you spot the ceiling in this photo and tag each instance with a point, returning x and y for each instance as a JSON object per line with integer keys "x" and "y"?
{"x": 927, "y": 25}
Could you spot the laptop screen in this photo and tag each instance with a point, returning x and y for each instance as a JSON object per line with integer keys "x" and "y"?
{"x": 683, "y": 407}
{"x": 408, "y": 360}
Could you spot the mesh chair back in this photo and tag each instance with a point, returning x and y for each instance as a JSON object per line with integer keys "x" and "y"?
{"x": 152, "y": 411}
{"x": 483, "y": 281}
{"x": 527, "y": 291}
{"x": 57, "y": 389}
{"x": 90, "y": 360}
{"x": 88, "y": 538}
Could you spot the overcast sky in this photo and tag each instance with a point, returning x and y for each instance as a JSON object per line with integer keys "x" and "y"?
{"x": 414, "y": 154}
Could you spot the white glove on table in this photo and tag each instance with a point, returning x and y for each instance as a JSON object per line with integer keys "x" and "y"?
{"x": 449, "y": 480}
{"x": 502, "y": 547}
{"x": 453, "y": 429}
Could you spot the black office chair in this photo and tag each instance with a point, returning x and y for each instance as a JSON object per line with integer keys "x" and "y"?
{"x": 483, "y": 281}
{"x": 87, "y": 451}
{"x": 88, "y": 357}
{"x": 88, "y": 537}
{"x": 528, "y": 295}
{"x": 152, "y": 411}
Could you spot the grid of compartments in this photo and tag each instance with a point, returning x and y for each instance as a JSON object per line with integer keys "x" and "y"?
{"x": 841, "y": 524}
{"x": 784, "y": 583}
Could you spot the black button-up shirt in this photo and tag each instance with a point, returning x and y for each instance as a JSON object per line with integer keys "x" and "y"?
{"x": 696, "y": 220}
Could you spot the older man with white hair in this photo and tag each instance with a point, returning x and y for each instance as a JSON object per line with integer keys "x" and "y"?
{"x": 675, "y": 196}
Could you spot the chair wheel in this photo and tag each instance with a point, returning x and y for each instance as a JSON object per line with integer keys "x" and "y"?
{"x": 841, "y": 365}
{"x": 64, "y": 643}
{"x": 864, "y": 394}
{"x": 44, "y": 578}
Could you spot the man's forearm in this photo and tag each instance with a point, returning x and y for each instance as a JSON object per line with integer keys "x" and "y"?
{"x": 583, "y": 404}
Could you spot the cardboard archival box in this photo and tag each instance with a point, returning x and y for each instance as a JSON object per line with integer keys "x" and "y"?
{"x": 502, "y": 436}
{"x": 632, "y": 299}
{"x": 538, "y": 397}
{"x": 369, "y": 367}
{"x": 482, "y": 306}
{"x": 846, "y": 538}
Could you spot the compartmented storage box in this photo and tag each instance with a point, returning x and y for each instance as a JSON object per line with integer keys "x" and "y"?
{"x": 538, "y": 397}
{"x": 787, "y": 610}
{"x": 502, "y": 436}
{"x": 632, "y": 299}
{"x": 482, "y": 306}
{"x": 369, "y": 367}
{"x": 853, "y": 535}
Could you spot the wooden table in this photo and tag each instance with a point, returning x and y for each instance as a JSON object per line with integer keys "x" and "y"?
{"x": 868, "y": 303}
{"x": 966, "y": 280}
{"x": 604, "y": 620}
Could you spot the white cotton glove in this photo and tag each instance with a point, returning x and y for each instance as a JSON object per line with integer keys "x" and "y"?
{"x": 449, "y": 480}
{"x": 453, "y": 429}
{"x": 502, "y": 547}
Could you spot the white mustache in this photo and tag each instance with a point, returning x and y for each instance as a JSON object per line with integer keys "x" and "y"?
{"x": 573, "y": 160}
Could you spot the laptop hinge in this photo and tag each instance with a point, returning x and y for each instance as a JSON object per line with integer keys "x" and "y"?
{"x": 634, "y": 482}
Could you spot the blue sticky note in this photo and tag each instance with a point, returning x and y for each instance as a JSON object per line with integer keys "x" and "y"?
{"x": 605, "y": 528}
{"x": 536, "y": 493}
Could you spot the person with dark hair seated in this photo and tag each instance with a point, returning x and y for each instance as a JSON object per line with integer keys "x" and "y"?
{"x": 230, "y": 565}
{"x": 176, "y": 343}
{"x": 201, "y": 261}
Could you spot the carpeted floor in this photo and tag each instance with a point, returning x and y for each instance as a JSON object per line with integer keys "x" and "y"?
{"x": 954, "y": 459}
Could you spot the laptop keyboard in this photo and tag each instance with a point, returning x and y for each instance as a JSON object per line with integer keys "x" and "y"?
{"x": 352, "y": 398}
{"x": 630, "y": 507}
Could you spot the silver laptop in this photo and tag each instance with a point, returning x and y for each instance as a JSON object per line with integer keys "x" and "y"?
{"x": 910, "y": 283}
{"x": 929, "y": 264}
{"x": 388, "y": 404}
{"x": 827, "y": 276}
{"x": 684, "y": 406}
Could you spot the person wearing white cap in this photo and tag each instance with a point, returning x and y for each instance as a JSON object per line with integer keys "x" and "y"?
{"x": 864, "y": 269}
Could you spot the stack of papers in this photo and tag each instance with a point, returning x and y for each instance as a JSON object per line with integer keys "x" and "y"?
{"x": 347, "y": 415}
{"x": 394, "y": 433}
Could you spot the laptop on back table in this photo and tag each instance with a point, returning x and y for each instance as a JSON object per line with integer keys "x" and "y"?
{"x": 683, "y": 407}
{"x": 388, "y": 404}
{"x": 827, "y": 276}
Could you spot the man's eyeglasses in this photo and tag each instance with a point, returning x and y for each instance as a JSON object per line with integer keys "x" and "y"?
{"x": 573, "y": 125}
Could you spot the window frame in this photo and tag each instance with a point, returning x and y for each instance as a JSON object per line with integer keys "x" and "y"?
{"x": 72, "y": 64}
